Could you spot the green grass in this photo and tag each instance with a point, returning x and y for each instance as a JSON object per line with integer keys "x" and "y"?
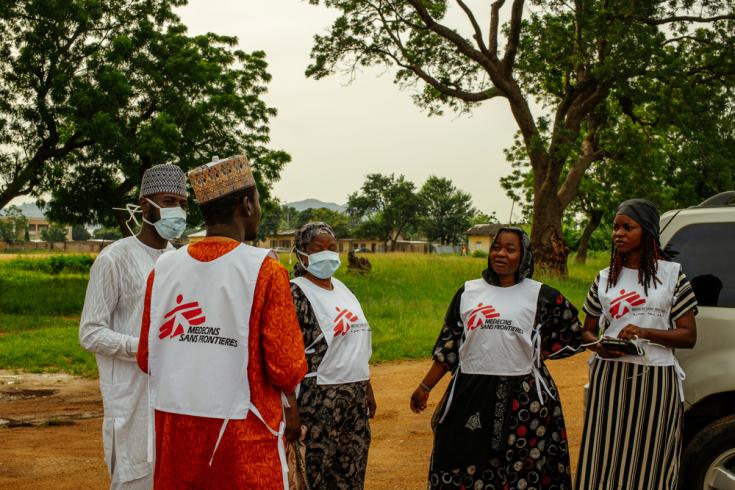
{"x": 404, "y": 297}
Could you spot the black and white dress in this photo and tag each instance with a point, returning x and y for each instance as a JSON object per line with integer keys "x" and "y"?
{"x": 494, "y": 430}
{"x": 632, "y": 428}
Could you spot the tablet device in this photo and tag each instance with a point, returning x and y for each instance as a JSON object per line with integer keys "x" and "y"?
{"x": 619, "y": 345}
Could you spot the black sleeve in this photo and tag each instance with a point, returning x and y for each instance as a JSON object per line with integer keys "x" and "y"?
{"x": 446, "y": 349}
{"x": 309, "y": 328}
{"x": 559, "y": 322}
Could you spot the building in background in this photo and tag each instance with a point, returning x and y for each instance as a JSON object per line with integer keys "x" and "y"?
{"x": 37, "y": 222}
{"x": 479, "y": 237}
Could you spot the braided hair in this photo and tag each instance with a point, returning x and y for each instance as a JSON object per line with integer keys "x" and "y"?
{"x": 651, "y": 253}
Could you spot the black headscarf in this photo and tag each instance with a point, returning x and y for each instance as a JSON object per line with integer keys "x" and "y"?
{"x": 644, "y": 213}
{"x": 304, "y": 236}
{"x": 525, "y": 266}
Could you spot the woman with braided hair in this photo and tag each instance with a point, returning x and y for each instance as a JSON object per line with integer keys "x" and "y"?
{"x": 335, "y": 399}
{"x": 632, "y": 427}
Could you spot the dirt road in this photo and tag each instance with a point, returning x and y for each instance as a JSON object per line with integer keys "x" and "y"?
{"x": 50, "y": 427}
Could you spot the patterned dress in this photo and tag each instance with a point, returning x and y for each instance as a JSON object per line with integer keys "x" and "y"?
{"x": 338, "y": 436}
{"x": 497, "y": 434}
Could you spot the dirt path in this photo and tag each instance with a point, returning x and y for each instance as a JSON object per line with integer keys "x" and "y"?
{"x": 50, "y": 427}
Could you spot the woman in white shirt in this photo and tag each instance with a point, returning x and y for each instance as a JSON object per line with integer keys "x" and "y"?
{"x": 335, "y": 399}
{"x": 500, "y": 424}
{"x": 632, "y": 428}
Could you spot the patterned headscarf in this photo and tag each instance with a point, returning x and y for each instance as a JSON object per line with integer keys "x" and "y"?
{"x": 164, "y": 178}
{"x": 525, "y": 266}
{"x": 304, "y": 236}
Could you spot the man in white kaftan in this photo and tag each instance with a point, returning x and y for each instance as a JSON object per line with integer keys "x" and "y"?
{"x": 110, "y": 325}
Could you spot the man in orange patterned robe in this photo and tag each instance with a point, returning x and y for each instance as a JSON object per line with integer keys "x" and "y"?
{"x": 247, "y": 456}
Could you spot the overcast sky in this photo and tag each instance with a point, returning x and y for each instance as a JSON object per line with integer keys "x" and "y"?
{"x": 337, "y": 132}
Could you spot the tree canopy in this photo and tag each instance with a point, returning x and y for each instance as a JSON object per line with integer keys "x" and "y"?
{"x": 572, "y": 57}
{"x": 446, "y": 212}
{"x": 386, "y": 205}
{"x": 94, "y": 93}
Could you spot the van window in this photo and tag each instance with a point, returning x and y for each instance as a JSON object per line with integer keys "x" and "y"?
{"x": 706, "y": 254}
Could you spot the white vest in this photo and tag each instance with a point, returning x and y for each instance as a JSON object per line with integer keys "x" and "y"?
{"x": 500, "y": 335}
{"x": 626, "y": 303}
{"x": 498, "y": 328}
{"x": 198, "y": 339}
{"x": 345, "y": 329}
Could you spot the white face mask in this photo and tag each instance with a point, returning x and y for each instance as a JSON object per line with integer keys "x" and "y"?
{"x": 172, "y": 223}
{"x": 322, "y": 264}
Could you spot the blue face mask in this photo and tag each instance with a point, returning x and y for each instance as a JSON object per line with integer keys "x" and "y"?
{"x": 322, "y": 264}
{"x": 172, "y": 223}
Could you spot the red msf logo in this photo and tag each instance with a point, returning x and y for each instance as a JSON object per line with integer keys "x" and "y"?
{"x": 619, "y": 306}
{"x": 480, "y": 314}
{"x": 191, "y": 312}
{"x": 343, "y": 320}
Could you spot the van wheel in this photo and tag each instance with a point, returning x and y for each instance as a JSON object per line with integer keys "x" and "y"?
{"x": 708, "y": 462}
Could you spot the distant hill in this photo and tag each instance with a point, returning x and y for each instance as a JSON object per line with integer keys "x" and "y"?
{"x": 316, "y": 204}
{"x": 28, "y": 209}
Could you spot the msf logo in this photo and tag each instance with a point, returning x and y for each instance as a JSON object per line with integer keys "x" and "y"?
{"x": 620, "y": 306}
{"x": 190, "y": 313}
{"x": 342, "y": 322}
{"x": 480, "y": 314}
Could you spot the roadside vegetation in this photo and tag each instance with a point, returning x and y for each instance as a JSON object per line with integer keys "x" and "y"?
{"x": 405, "y": 298}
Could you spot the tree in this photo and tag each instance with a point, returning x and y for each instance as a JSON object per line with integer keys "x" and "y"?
{"x": 13, "y": 225}
{"x": 339, "y": 222}
{"x": 446, "y": 212}
{"x": 54, "y": 233}
{"x": 480, "y": 218}
{"x": 107, "y": 234}
{"x": 95, "y": 94}
{"x": 79, "y": 233}
{"x": 675, "y": 151}
{"x": 569, "y": 56}
{"x": 386, "y": 206}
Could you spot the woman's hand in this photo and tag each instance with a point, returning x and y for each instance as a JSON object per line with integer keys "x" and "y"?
{"x": 630, "y": 332}
{"x": 293, "y": 423}
{"x": 372, "y": 406}
{"x": 419, "y": 399}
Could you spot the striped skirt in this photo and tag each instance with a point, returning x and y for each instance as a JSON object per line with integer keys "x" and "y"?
{"x": 632, "y": 428}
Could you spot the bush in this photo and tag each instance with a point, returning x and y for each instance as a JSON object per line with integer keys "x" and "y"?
{"x": 80, "y": 233}
{"x": 73, "y": 264}
{"x": 479, "y": 254}
{"x": 54, "y": 233}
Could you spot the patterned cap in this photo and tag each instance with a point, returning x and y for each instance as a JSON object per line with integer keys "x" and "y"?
{"x": 221, "y": 177}
{"x": 164, "y": 178}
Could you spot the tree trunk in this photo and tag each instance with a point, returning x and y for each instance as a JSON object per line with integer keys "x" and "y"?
{"x": 547, "y": 241}
{"x": 584, "y": 241}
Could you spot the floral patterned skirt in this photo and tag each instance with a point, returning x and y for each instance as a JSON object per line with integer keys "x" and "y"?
{"x": 497, "y": 434}
{"x": 338, "y": 434}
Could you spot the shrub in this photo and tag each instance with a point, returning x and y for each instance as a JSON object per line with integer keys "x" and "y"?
{"x": 73, "y": 264}
{"x": 479, "y": 254}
